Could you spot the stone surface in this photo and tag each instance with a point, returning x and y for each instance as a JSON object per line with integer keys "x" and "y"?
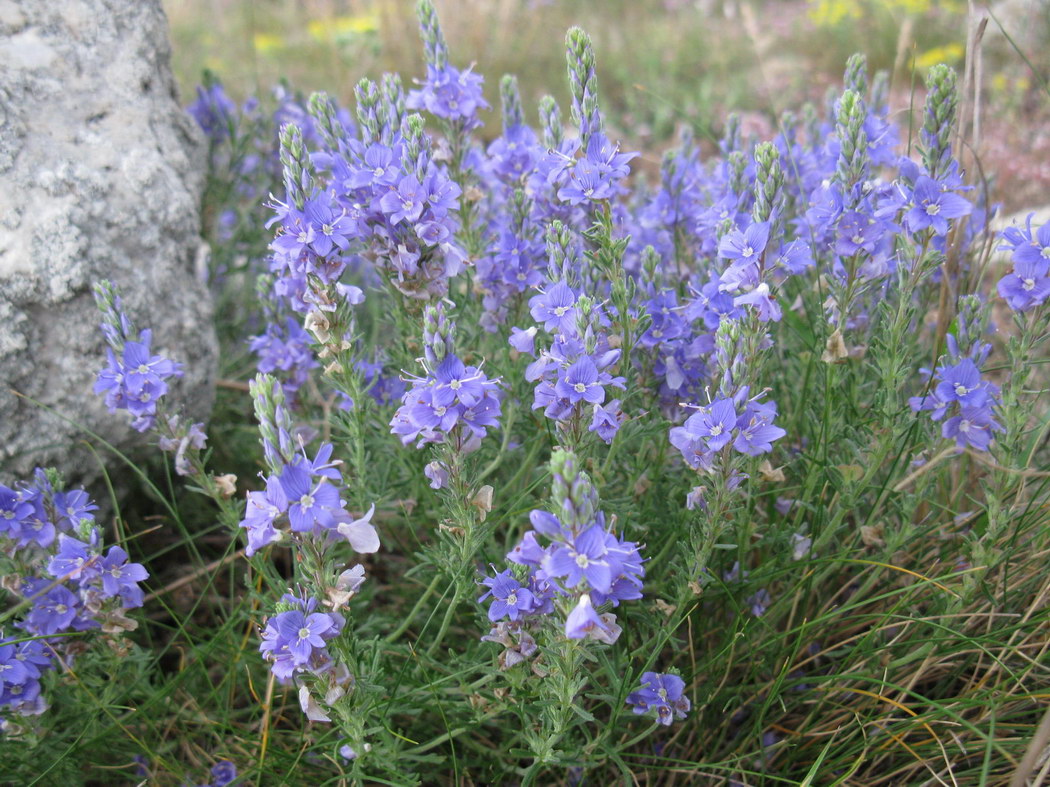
{"x": 101, "y": 173}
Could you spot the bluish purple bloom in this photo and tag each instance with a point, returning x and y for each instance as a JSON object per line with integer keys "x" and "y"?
{"x": 580, "y": 383}
{"x": 309, "y": 504}
{"x": 932, "y": 206}
{"x": 1028, "y": 284}
{"x": 555, "y": 308}
{"x": 119, "y": 577}
{"x": 509, "y": 598}
{"x": 664, "y": 693}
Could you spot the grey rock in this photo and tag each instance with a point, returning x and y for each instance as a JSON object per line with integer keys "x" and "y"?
{"x": 101, "y": 174}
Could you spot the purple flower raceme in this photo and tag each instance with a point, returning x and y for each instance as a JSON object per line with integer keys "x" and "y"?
{"x": 304, "y": 501}
{"x": 134, "y": 379}
{"x": 67, "y": 580}
{"x": 1027, "y": 285}
{"x": 454, "y": 403}
{"x": 295, "y": 639}
{"x": 284, "y": 349}
{"x": 718, "y": 425}
{"x": 664, "y": 693}
{"x": 958, "y": 394}
{"x": 583, "y": 566}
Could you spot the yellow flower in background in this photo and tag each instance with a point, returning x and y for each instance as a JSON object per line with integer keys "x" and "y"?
{"x": 340, "y": 27}
{"x": 916, "y": 7}
{"x": 827, "y": 13}
{"x": 947, "y": 54}
{"x": 265, "y": 43}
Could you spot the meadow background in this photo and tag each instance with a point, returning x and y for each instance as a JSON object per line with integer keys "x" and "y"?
{"x": 663, "y": 63}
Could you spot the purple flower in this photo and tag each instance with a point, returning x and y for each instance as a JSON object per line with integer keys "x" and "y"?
{"x": 1028, "y": 284}
{"x": 121, "y": 578}
{"x": 748, "y": 245}
{"x": 360, "y": 533}
{"x": 302, "y": 633}
{"x": 555, "y": 308}
{"x": 73, "y": 561}
{"x": 586, "y": 557}
{"x": 961, "y": 383}
{"x": 580, "y": 383}
{"x": 606, "y": 420}
{"x": 223, "y": 773}
{"x": 524, "y": 341}
{"x": 509, "y": 598}
{"x": 932, "y": 206}
{"x": 405, "y": 203}
{"x": 213, "y": 110}
{"x": 714, "y": 423}
{"x": 73, "y": 506}
{"x": 663, "y": 693}
{"x": 53, "y": 611}
{"x": 261, "y": 511}
{"x": 331, "y": 229}
{"x": 764, "y": 303}
{"x": 583, "y": 621}
{"x": 858, "y": 233}
{"x": 308, "y": 505}
{"x": 13, "y": 511}
{"x": 757, "y": 431}
{"x": 451, "y": 94}
{"x": 972, "y": 428}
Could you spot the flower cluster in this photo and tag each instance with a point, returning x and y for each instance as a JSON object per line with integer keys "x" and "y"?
{"x": 663, "y": 693}
{"x": 295, "y": 639}
{"x": 303, "y": 496}
{"x": 583, "y": 567}
{"x": 284, "y": 348}
{"x": 959, "y": 396}
{"x": 453, "y": 403}
{"x": 134, "y": 378}
{"x": 743, "y": 423}
{"x": 1027, "y": 285}
{"x": 67, "y": 578}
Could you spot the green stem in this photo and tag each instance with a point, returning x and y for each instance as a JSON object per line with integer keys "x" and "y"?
{"x": 415, "y": 610}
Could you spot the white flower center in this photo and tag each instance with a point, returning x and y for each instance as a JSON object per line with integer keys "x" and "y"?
{"x": 61, "y": 609}
{"x": 747, "y": 251}
{"x": 1028, "y": 284}
{"x": 512, "y": 599}
{"x": 582, "y": 561}
{"x": 961, "y": 390}
{"x": 1045, "y": 252}
{"x": 304, "y": 633}
{"x": 115, "y": 572}
{"x": 580, "y": 388}
{"x": 560, "y": 310}
{"x": 439, "y": 411}
{"x": 933, "y": 209}
{"x": 964, "y": 426}
{"x": 307, "y": 500}
{"x": 716, "y": 430}
{"x": 455, "y": 385}
{"x": 327, "y": 229}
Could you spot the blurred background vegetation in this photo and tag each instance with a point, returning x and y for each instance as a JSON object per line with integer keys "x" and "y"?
{"x": 661, "y": 63}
